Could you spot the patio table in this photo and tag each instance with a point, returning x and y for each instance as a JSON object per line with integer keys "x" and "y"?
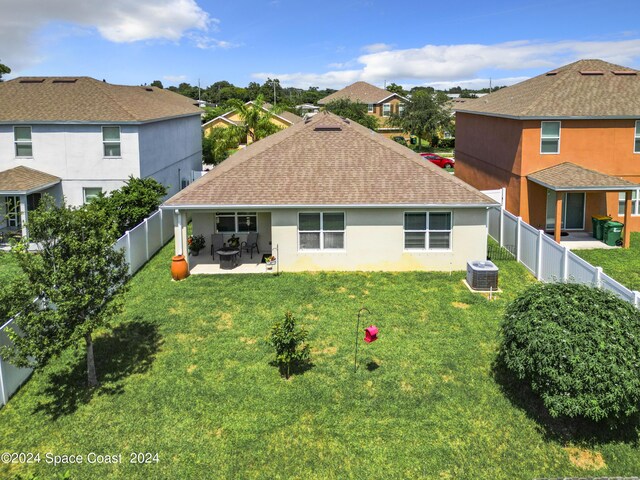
{"x": 228, "y": 258}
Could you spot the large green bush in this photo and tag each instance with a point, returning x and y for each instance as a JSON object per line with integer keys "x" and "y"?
{"x": 578, "y": 347}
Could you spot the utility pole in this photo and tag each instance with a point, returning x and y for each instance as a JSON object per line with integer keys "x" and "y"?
{"x": 198, "y": 90}
{"x": 275, "y": 102}
{"x": 489, "y": 84}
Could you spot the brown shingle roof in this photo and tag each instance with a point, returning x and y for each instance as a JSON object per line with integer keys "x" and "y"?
{"x": 24, "y": 179}
{"x": 327, "y": 160}
{"x": 362, "y": 92}
{"x": 575, "y": 90}
{"x": 85, "y": 99}
{"x": 292, "y": 118}
{"x": 569, "y": 176}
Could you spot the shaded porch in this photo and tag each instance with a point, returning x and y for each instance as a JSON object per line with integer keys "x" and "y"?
{"x": 204, "y": 264}
{"x": 568, "y": 186}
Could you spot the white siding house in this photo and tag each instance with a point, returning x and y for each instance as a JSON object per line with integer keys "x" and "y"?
{"x": 92, "y": 136}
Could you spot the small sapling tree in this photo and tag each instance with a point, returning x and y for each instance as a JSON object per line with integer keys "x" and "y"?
{"x": 292, "y": 351}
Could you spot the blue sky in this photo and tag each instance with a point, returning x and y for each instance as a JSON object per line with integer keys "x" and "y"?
{"x": 304, "y": 43}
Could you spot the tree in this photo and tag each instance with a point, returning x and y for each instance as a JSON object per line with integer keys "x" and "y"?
{"x": 157, "y": 83}
{"x": 216, "y": 145}
{"x": 4, "y": 70}
{"x": 577, "y": 347}
{"x": 78, "y": 278}
{"x": 393, "y": 88}
{"x": 129, "y": 205}
{"x": 355, "y": 111}
{"x": 292, "y": 351}
{"x": 424, "y": 116}
{"x": 256, "y": 120}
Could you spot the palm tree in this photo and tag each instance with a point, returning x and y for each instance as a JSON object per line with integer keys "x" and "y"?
{"x": 256, "y": 119}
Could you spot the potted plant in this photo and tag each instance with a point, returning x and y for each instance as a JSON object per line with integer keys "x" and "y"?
{"x": 234, "y": 242}
{"x": 270, "y": 261}
{"x": 196, "y": 243}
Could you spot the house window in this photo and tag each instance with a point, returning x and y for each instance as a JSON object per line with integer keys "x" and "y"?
{"x": 111, "y": 141}
{"x": 550, "y": 137}
{"x": 370, "y": 108}
{"x": 635, "y": 203}
{"x": 321, "y": 231}
{"x": 236, "y": 222}
{"x": 386, "y": 109}
{"x": 91, "y": 193}
{"x": 400, "y": 108}
{"x": 430, "y": 231}
{"x": 22, "y": 139}
{"x": 636, "y": 148}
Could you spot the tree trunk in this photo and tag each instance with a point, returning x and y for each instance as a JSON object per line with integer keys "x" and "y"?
{"x": 92, "y": 378}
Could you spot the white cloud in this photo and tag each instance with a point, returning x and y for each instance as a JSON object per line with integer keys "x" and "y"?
{"x": 175, "y": 78}
{"x": 120, "y": 21}
{"x": 473, "y": 83}
{"x": 377, "y": 47}
{"x": 206, "y": 42}
{"x": 466, "y": 62}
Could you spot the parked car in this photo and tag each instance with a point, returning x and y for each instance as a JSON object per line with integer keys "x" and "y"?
{"x": 442, "y": 162}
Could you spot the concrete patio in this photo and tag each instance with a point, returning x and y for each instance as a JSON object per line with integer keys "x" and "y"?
{"x": 582, "y": 241}
{"x": 204, "y": 265}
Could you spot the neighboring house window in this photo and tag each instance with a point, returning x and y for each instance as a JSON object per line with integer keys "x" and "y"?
{"x": 91, "y": 193}
{"x": 370, "y": 108}
{"x": 635, "y": 203}
{"x": 430, "y": 231}
{"x": 636, "y": 148}
{"x": 321, "y": 231}
{"x": 22, "y": 138}
{"x": 236, "y": 222}
{"x": 550, "y": 137}
{"x": 400, "y": 108}
{"x": 111, "y": 141}
{"x": 386, "y": 109}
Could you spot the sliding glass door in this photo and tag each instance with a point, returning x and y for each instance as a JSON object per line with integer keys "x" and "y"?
{"x": 572, "y": 210}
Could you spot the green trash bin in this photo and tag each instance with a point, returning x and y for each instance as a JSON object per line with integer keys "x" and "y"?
{"x": 597, "y": 222}
{"x": 613, "y": 233}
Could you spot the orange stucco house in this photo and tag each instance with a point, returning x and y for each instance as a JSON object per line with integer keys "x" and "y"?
{"x": 380, "y": 103}
{"x": 565, "y": 145}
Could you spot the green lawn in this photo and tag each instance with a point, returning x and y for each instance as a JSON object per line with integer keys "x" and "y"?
{"x": 621, "y": 264}
{"x": 8, "y": 267}
{"x": 185, "y": 373}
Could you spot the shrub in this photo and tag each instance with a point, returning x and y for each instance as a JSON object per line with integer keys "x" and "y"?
{"x": 578, "y": 347}
{"x": 291, "y": 350}
{"x": 448, "y": 143}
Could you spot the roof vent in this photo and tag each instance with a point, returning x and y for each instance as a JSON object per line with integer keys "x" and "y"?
{"x": 32, "y": 80}
{"x": 328, "y": 128}
{"x": 591, "y": 72}
{"x": 551, "y": 74}
{"x": 148, "y": 89}
{"x": 624, "y": 72}
{"x": 65, "y": 80}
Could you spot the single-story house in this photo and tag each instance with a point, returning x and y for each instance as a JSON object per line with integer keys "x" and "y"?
{"x": 330, "y": 194}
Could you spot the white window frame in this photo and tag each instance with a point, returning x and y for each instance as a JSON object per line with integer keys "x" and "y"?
{"x": 400, "y": 108}
{"x": 427, "y": 232}
{"x": 322, "y": 231}
{"x": 17, "y": 142}
{"x": 551, "y": 138}
{"x": 370, "y": 108}
{"x": 84, "y": 193}
{"x": 111, "y": 142}
{"x": 635, "y": 203}
{"x": 636, "y": 138}
{"x": 386, "y": 106}
{"x": 237, "y": 216}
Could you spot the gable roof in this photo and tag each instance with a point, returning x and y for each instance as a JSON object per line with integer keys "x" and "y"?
{"x": 87, "y": 100}
{"x": 25, "y": 180}
{"x": 288, "y": 117}
{"x": 583, "y": 89}
{"x": 362, "y": 92}
{"x": 326, "y": 161}
{"x": 568, "y": 176}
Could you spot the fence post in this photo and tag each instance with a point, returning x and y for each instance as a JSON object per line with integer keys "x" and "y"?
{"x": 518, "y": 233}
{"x": 539, "y": 255}
{"x": 2, "y": 390}
{"x": 146, "y": 237}
{"x": 129, "y": 251}
{"x": 636, "y": 298}
{"x": 161, "y": 227}
{"x": 501, "y": 227}
{"x": 597, "y": 280}
{"x": 565, "y": 264}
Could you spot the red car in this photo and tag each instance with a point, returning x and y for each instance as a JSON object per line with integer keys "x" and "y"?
{"x": 442, "y": 162}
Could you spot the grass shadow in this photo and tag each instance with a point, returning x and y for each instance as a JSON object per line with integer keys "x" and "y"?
{"x": 372, "y": 366}
{"x": 297, "y": 368}
{"x": 562, "y": 429}
{"x": 128, "y": 349}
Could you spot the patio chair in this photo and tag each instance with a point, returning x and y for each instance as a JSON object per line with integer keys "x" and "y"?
{"x": 217, "y": 242}
{"x": 250, "y": 243}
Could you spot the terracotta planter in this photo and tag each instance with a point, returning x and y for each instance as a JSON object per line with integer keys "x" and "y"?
{"x": 179, "y": 268}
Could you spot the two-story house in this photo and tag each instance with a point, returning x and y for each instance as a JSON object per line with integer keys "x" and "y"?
{"x": 564, "y": 144}
{"x": 76, "y": 137}
{"x": 380, "y": 103}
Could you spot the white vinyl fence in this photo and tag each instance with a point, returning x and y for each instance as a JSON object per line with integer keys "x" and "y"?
{"x": 548, "y": 260}
{"x": 139, "y": 245}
